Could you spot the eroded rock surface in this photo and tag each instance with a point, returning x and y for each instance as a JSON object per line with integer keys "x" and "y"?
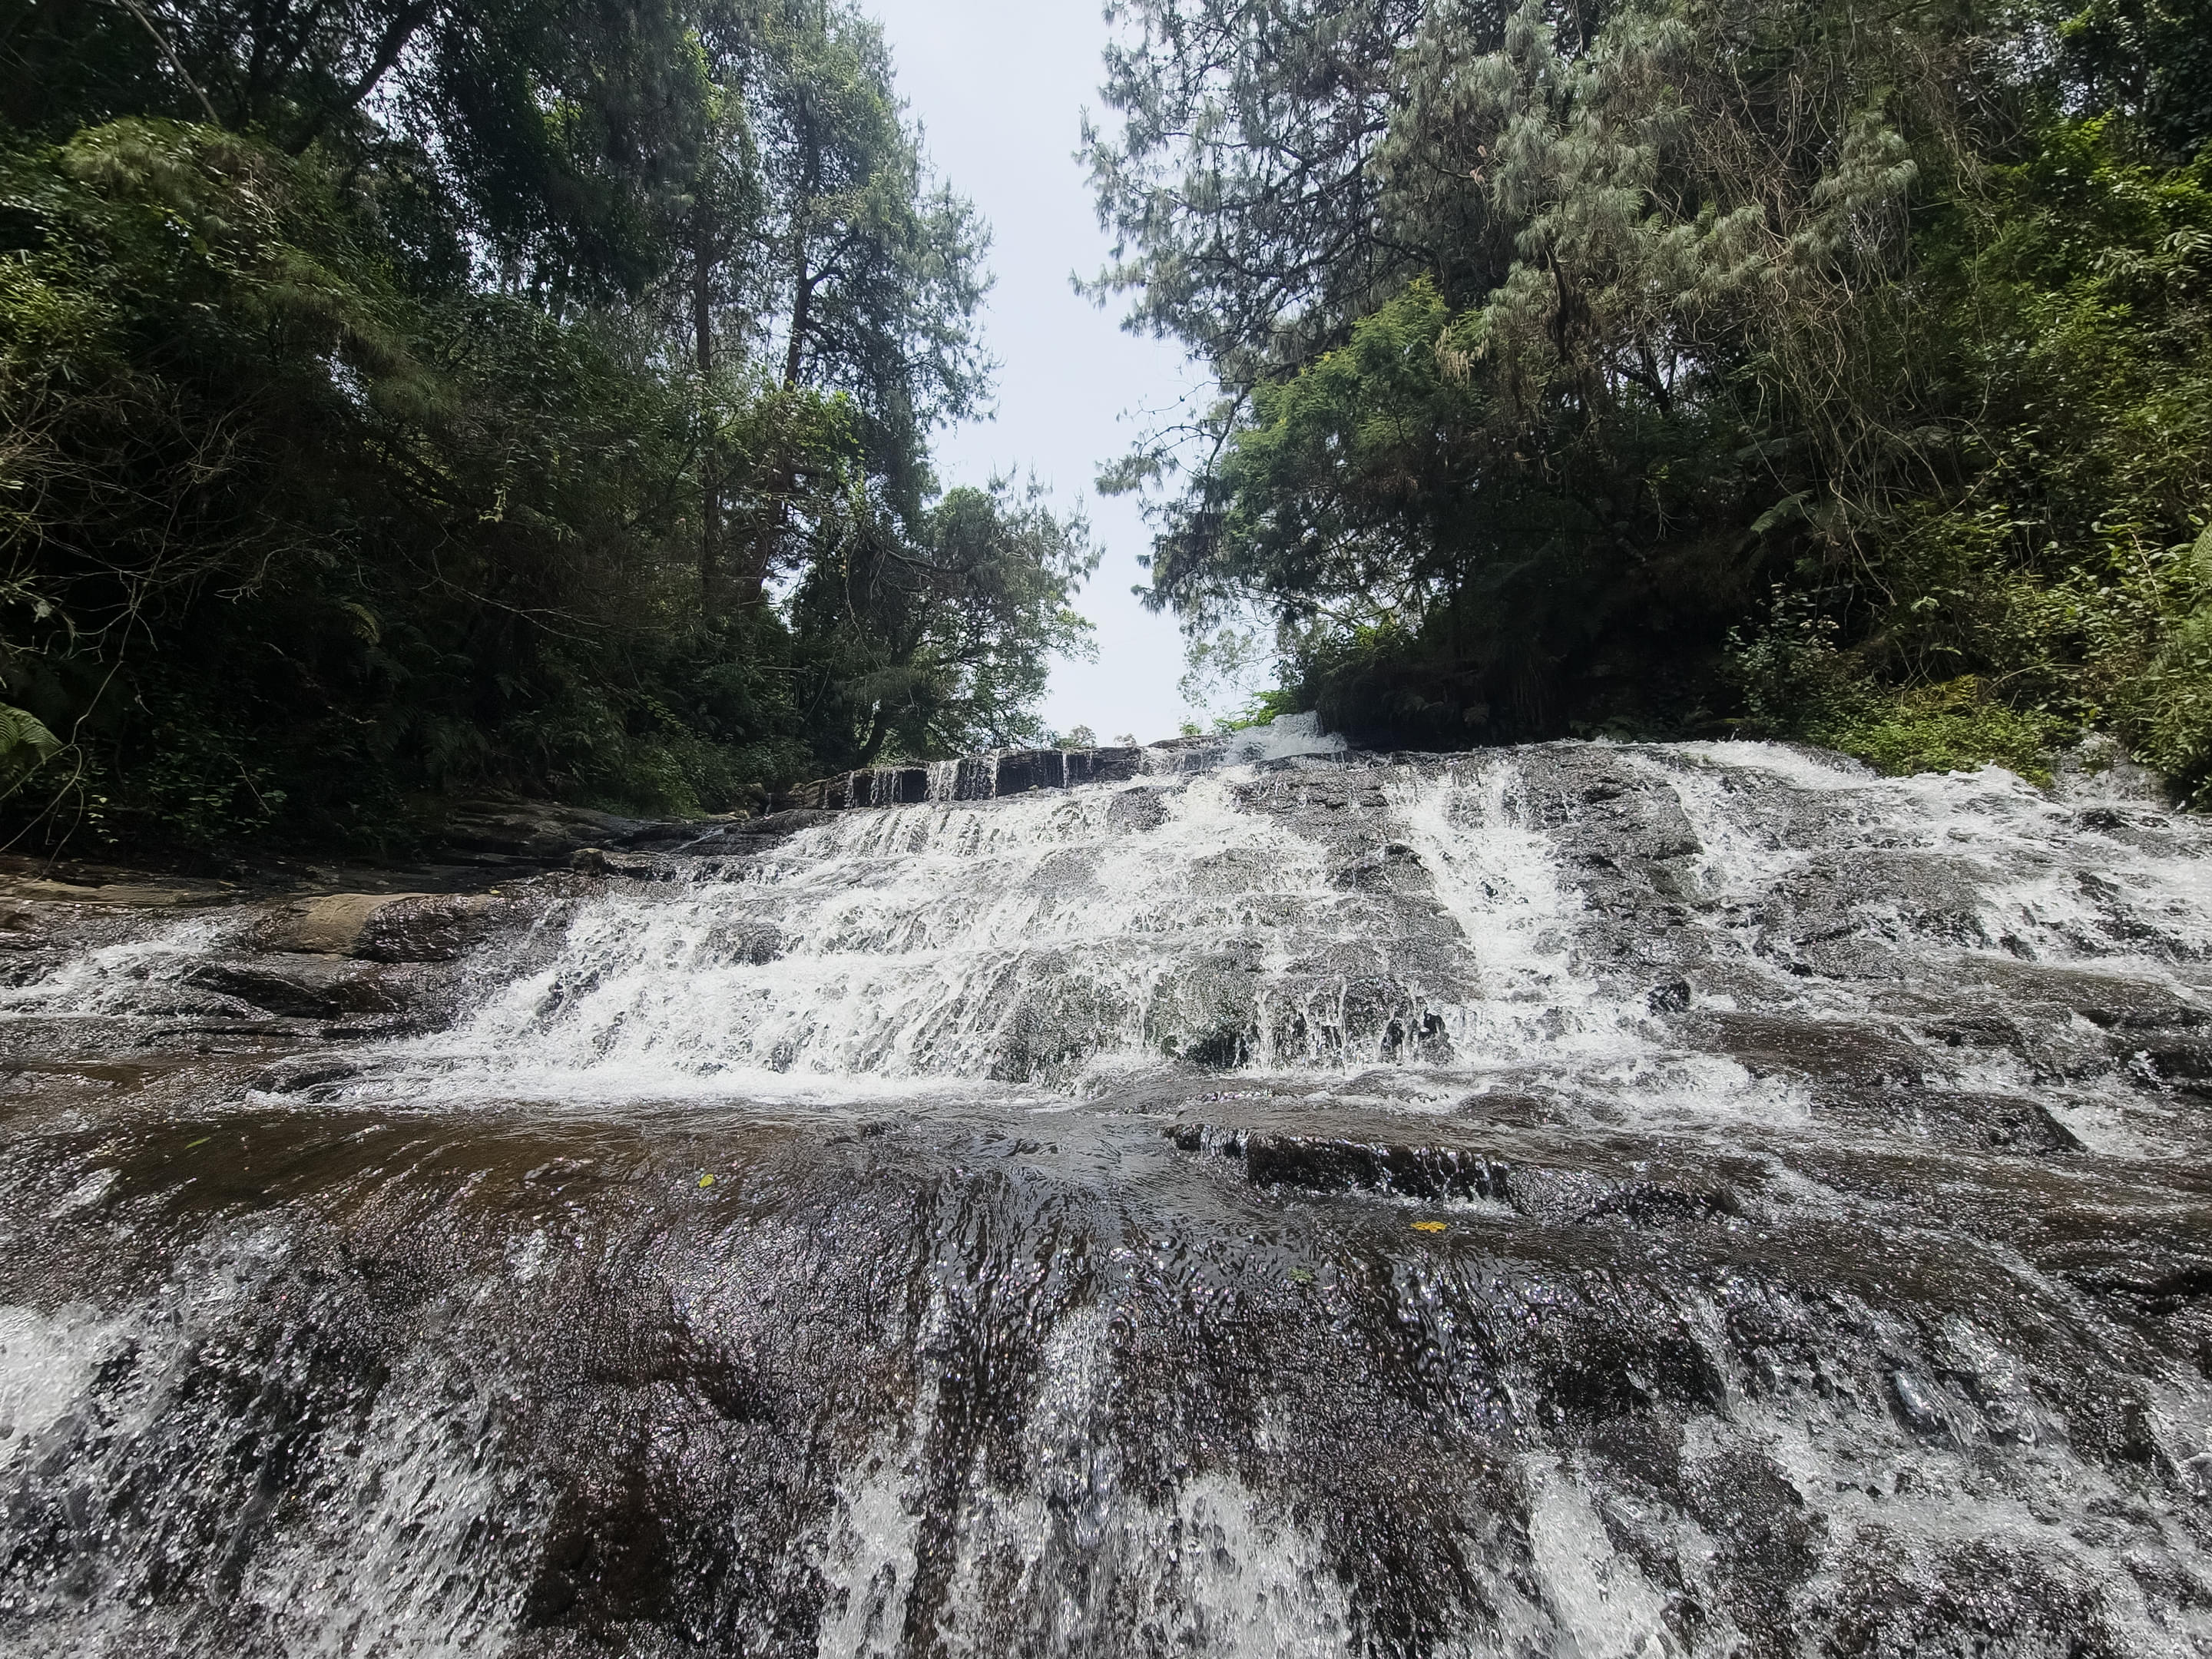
{"x": 1588, "y": 1200}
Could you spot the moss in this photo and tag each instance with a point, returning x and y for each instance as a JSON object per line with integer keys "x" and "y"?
{"x": 1956, "y": 726}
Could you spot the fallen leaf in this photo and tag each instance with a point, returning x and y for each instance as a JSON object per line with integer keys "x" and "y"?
{"x": 706, "y": 1181}
{"x": 1428, "y": 1226}
{"x": 202, "y": 1141}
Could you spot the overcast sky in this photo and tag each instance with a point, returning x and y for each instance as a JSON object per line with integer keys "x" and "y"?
{"x": 999, "y": 87}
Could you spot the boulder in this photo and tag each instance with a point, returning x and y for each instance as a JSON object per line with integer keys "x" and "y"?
{"x": 534, "y": 831}
{"x": 376, "y": 927}
{"x": 307, "y": 987}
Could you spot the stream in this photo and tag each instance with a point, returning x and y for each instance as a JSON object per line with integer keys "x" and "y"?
{"x": 1595, "y": 1201}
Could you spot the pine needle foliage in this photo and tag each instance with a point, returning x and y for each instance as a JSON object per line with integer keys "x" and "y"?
{"x": 1681, "y": 367}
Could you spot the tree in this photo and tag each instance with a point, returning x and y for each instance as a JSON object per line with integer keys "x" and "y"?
{"x": 1605, "y": 327}
{"x": 406, "y": 398}
{"x": 866, "y": 275}
{"x": 939, "y": 644}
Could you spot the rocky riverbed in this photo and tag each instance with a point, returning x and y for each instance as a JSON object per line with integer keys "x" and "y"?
{"x": 1587, "y": 1200}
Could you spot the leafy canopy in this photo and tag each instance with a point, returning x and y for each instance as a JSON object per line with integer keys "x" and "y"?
{"x": 1683, "y": 366}
{"x": 401, "y": 399}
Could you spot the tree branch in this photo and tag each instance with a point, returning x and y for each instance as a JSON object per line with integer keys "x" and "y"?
{"x": 175, "y": 62}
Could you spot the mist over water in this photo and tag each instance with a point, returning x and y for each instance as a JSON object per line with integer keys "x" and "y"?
{"x": 1585, "y": 1200}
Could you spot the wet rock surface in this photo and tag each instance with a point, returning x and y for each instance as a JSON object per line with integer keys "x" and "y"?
{"x": 1588, "y": 1200}
{"x": 377, "y": 927}
{"x": 510, "y": 830}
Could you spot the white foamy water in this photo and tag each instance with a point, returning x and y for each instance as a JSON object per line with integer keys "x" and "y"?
{"x": 117, "y": 981}
{"x": 1294, "y": 911}
{"x": 1324, "y": 918}
{"x": 1798, "y": 1297}
{"x": 44, "y": 1359}
{"x": 1048, "y": 938}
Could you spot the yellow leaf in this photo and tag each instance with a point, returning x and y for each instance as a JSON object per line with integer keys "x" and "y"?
{"x": 706, "y": 1181}
{"x": 1428, "y": 1226}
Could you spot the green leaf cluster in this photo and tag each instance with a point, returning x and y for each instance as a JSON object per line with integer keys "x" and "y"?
{"x": 1793, "y": 367}
{"x": 414, "y": 398}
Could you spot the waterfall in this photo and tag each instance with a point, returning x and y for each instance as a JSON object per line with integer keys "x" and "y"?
{"x": 1254, "y": 1198}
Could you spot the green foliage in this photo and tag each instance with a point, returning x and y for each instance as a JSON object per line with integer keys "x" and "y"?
{"x": 1265, "y": 710}
{"x": 1795, "y": 683}
{"x": 1952, "y": 727}
{"x": 2054, "y": 563}
{"x": 1444, "y": 569}
{"x": 581, "y": 451}
{"x": 938, "y": 645}
{"x": 1569, "y": 336}
{"x": 25, "y": 745}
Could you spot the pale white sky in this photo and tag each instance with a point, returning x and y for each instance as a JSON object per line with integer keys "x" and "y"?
{"x": 998, "y": 87}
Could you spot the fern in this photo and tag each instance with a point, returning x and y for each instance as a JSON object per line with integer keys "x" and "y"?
{"x": 25, "y": 743}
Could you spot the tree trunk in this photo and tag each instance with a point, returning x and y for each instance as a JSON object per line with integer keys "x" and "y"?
{"x": 752, "y": 585}
{"x": 710, "y": 468}
{"x": 802, "y": 308}
{"x": 878, "y": 729}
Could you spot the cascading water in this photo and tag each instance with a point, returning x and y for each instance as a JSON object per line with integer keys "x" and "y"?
{"x": 1590, "y": 1199}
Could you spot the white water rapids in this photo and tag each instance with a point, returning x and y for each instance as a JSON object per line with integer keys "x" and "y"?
{"x": 1069, "y": 941}
{"x": 1585, "y": 1201}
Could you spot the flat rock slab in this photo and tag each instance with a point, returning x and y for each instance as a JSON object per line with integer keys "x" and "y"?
{"x": 155, "y": 895}
{"x": 378, "y": 926}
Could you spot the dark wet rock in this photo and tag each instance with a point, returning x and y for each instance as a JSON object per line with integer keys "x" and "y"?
{"x": 747, "y": 939}
{"x": 301, "y": 1073}
{"x": 2157, "y": 1285}
{"x": 1987, "y": 1596}
{"x": 311, "y": 986}
{"x": 1109, "y": 765}
{"x": 1326, "y": 1166}
{"x": 2185, "y": 1063}
{"x": 1771, "y": 1541}
{"x": 978, "y": 777}
{"x": 2112, "y": 1001}
{"x": 1837, "y": 1056}
{"x": 1850, "y": 915}
{"x": 1134, "y": 810}
{"x": 1921, "y": 1404}
{"x": 1966, "y": 1118}
{"x": 1392, "y": 867}
{"x": 1055, "y": 1025}
{"x": 431, "y": 927}
{"x": 378, "y": 926}
{"x": 30, "y": 964}
{"x": 532, "y": 832}
{"x": 2114, "y": 1424}
{"x": 604, "y": 1372}
{"x": 1345, "y": 1223}
{"x": 1580, "y": 1197}
{"x": 1206, "y": 1012}
{"x": 1031, "y": 769}
{"x": 1974, "y": 1030}
{"x": 1619, "y": 825}
{"x": 631, "y": 867}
